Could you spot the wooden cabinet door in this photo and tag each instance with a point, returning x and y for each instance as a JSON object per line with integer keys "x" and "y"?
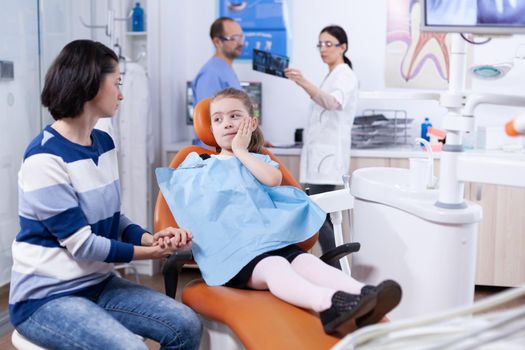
{"x": 292, "y": 162}
{"x": 367, "y": 162}
{"x": 501, "y": 243}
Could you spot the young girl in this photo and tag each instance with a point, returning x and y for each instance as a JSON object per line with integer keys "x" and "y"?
{"x": 245, "y": 225}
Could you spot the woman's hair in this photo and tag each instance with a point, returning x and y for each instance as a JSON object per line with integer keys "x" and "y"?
{"x": 75, "y": 77}
{"x": 340, "y": 34}
{"x": 257, "y": 141}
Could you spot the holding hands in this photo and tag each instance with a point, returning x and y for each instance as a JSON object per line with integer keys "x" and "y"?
{"x": 172, "y": 237}
{"x": 163, "y": 243}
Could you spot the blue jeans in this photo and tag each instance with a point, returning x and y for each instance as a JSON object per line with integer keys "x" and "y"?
{"x": 113, "y": 319}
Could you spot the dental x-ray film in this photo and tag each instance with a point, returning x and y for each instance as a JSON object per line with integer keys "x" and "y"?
{"x": 269, "y": 63}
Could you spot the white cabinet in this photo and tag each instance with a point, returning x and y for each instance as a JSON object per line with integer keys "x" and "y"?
{"x": 134, "y": 44}
{"x": 136, "y": 47}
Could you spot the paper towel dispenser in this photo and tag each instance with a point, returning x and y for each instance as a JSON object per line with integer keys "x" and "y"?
{"x": 7, "y": 70}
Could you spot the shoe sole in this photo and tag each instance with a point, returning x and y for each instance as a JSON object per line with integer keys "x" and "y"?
{"x": 388, "y": 297}
{"x": 345, "y": 323}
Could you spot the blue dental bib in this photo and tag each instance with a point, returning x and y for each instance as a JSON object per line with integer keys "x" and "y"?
{"x": 232, "y": 216}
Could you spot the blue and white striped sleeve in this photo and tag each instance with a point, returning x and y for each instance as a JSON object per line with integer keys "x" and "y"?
{"x": 130, "y": 232}
{"x": 47, "y": 198}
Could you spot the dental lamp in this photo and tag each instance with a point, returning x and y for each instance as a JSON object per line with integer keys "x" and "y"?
{"x": 491, "y": 71}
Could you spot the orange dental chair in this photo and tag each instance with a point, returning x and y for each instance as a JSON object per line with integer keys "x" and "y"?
{"x": 235, "y": 318}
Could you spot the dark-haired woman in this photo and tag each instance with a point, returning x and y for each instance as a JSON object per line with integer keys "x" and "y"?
{"x": 64, "y": 294}
{"x": 325, "y": 156}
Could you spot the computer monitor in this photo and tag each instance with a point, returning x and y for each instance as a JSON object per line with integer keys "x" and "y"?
{"x": 473, "y": 16}
{"x": 252, "y": 88}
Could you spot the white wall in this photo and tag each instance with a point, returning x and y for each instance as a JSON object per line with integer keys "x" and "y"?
{"x": 19, "y": 114}
{"x": 20, "y": 110}
{"x": 60, "y": 24}
{"x": 185, "y": 46}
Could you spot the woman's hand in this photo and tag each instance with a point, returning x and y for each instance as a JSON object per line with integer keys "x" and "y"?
{"x": 242, "y": 139}
{"x": 294, "y": 75}
{"x": 172, "y": 237}
{"x": 165, "y": 242}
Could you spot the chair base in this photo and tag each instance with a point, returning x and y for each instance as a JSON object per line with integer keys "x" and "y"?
{"x": 218, "y": 336}
{"x": 21, "y": 343}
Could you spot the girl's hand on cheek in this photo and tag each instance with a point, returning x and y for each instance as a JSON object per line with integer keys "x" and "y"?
{"x": 241, "y": 141}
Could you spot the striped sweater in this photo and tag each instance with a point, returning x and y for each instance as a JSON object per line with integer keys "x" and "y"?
{"x": 70, "y": 220}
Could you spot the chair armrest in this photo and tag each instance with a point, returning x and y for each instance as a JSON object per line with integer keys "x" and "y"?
{"x": 333, "y": 255}
{"x": 334, "y": 201}
{"x": 172, "y": 267}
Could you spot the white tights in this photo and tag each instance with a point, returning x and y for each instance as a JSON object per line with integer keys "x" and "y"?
{"x": 306, "y": 282}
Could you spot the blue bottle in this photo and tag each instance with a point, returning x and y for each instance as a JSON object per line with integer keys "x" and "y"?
{"x": 424, "y": 127}
{"x": 137, "y": 18}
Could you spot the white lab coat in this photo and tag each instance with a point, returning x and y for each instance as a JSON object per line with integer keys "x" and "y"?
{"x": 325, "y": 156}
{"x": 131, "y": 130}
{"x": 135, "y": 138}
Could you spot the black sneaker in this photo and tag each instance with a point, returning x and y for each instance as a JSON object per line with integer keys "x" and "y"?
{"x": 388, "y": 295}
{"x": 339, "y": 318}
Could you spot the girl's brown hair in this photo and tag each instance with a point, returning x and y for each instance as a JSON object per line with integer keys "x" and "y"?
{"x": 257, "y": 141}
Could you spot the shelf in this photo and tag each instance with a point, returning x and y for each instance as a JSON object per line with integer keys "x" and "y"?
{"x": 137, "y": 33}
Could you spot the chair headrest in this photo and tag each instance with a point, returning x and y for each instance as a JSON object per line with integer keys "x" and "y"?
{"x": 202, "y": 122}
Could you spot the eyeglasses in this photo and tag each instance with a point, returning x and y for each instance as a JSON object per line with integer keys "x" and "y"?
{"x": 327, "y": 44}
{"x": 235, "y": 37}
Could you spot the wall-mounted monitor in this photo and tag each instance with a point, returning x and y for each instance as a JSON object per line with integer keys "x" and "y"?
{"x": 252, "y": 88}
{"x": 473, "y": 16}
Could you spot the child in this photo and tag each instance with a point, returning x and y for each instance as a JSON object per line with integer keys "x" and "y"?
{"x": 245, "y": 225}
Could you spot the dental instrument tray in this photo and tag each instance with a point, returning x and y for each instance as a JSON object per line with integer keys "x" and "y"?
{"x": 365, "y": 120}
{"x": 380, "y": 128}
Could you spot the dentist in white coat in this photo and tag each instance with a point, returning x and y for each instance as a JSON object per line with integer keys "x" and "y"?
{"x": 325, "y": 156}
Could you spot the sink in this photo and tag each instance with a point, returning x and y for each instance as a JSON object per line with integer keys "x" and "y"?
{"x": 386, "y": 182}
{"x": 390, "y": 186}
{"x": 430, "y": 251}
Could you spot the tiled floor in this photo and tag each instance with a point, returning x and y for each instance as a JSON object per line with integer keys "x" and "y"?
{"x": 156, "y": 282}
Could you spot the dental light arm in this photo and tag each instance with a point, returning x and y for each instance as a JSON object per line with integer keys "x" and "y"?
{"x": 504, "y": 100}
{"x": 456, "y": 167}
{"x": 397, "y": 95}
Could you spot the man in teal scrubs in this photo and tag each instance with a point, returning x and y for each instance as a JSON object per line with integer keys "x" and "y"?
{"x": 217, "y": 74}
